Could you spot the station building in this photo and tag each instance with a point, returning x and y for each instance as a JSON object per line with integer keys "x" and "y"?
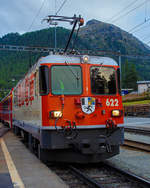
{"x": 143, "y": 86}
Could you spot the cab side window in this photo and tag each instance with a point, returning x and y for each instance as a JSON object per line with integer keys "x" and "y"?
{"x": 119, "y": 81}
{"x": 43, "y": 80}
{"x": 36, "y": 83}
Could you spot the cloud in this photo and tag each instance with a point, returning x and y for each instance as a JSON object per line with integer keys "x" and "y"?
{"x": 17, "y": 15}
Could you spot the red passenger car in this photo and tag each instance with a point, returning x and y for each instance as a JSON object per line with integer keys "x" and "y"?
{"x": 6, "y": 110}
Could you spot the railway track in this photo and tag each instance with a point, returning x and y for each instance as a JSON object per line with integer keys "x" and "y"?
{"x": 101, "y": 175}
{"x": 133, "y": 138}
{"x": 139, "y": 130}
{"x": 137, "y": 145}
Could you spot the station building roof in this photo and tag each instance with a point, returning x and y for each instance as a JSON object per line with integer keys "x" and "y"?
{"x": 143, "y": 82}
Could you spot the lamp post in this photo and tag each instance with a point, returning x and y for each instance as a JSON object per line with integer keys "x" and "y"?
{"x": 120, "y": 65}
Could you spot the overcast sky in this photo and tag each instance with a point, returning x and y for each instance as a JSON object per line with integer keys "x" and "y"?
{"x": 26, "y": 15}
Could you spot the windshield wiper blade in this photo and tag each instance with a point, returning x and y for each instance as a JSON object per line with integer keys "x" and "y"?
{"x": 77, "y": 77}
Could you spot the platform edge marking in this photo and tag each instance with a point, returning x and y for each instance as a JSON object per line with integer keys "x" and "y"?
{"x": 16, "y": 179}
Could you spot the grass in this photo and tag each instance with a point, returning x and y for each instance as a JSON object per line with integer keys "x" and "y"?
{"x": 136, "y": 102}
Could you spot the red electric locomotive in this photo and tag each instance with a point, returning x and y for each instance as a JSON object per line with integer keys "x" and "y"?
{"x": 68, "y": 108}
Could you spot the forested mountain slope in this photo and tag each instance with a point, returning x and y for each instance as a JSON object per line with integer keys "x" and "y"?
{"x": 95, "y": 35}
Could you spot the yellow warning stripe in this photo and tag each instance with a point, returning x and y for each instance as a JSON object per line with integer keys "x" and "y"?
{"x": 11, "y": 166}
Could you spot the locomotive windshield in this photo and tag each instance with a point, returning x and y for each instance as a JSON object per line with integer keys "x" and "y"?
{"x": 103, "y": 80}
{"x": 66, "y": 80}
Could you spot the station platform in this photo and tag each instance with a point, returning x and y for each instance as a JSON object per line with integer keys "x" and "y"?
{"x": 3, "y": 130}
{"x": 5, "y": 179}
{"x": 19, "y": 168}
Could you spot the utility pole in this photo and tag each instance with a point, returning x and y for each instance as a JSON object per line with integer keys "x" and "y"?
{"x": 120, "y": 66}
{"x": 55, "y": 26}
{"x": 55, "y": 38}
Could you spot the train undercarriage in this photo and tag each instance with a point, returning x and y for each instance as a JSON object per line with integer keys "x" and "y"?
{"x": 79, "y": 146}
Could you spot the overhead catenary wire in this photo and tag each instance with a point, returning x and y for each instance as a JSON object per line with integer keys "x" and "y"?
{"x": 138, "y": 25}
{"x": 145, "y": 9}
{"x": 135, "y": 28}
{"x": 122, "y": 10}
{"x": 63, "y": 3}
{"x": 37, "y": 14}
{"x": 56, "y": 13}
{"x": 145, "y": 20}
{"x": 146, "y": 37}
{"x": 90, "y": 52}
{"x": 125, "y": 14}
{"x": 55, "y": 37}
{"x": 141, "y": 29}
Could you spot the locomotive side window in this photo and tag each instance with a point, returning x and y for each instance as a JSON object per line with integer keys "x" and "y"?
{"x": 119, "y": 83}
{"x": 103, "y": 80}
{"x": 44, "y": 80}
{"x": 66, "y": 80}
{"x": 36, "y": 83}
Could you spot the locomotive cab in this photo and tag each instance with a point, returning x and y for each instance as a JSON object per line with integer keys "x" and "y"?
{"x": 81, "y": 107}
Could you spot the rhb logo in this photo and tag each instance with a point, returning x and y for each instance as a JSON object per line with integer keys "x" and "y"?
{"x": 88, "y": 105}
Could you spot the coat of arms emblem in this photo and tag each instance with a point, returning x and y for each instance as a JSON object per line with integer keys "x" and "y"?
{"x": 88, "y": 104}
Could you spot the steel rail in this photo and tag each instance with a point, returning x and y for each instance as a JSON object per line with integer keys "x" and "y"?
{"x": 136, "y": 144}
{"x": 115, "y": 171}
{"x": 129, "y": 174}
{"x": 87, "y": 180}
{"x": 141, "y": 130}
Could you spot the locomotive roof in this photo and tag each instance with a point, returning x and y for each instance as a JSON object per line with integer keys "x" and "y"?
{"x": 76, "y": 59}
{"x": 71, "y": 59}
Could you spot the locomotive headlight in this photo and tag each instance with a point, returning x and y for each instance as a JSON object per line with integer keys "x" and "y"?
{"x": 85, "y": 59}
{"x": 116, "y": 113}
{"x": 55, "y": 114}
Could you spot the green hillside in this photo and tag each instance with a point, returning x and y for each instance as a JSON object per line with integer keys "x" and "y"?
{"x": 13, "y": 65}
{"x": 95, "y": 35}
{"x": 108, "y": 37}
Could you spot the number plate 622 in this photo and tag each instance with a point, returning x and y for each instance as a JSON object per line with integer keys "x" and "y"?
{"x": 112, "y": 102}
